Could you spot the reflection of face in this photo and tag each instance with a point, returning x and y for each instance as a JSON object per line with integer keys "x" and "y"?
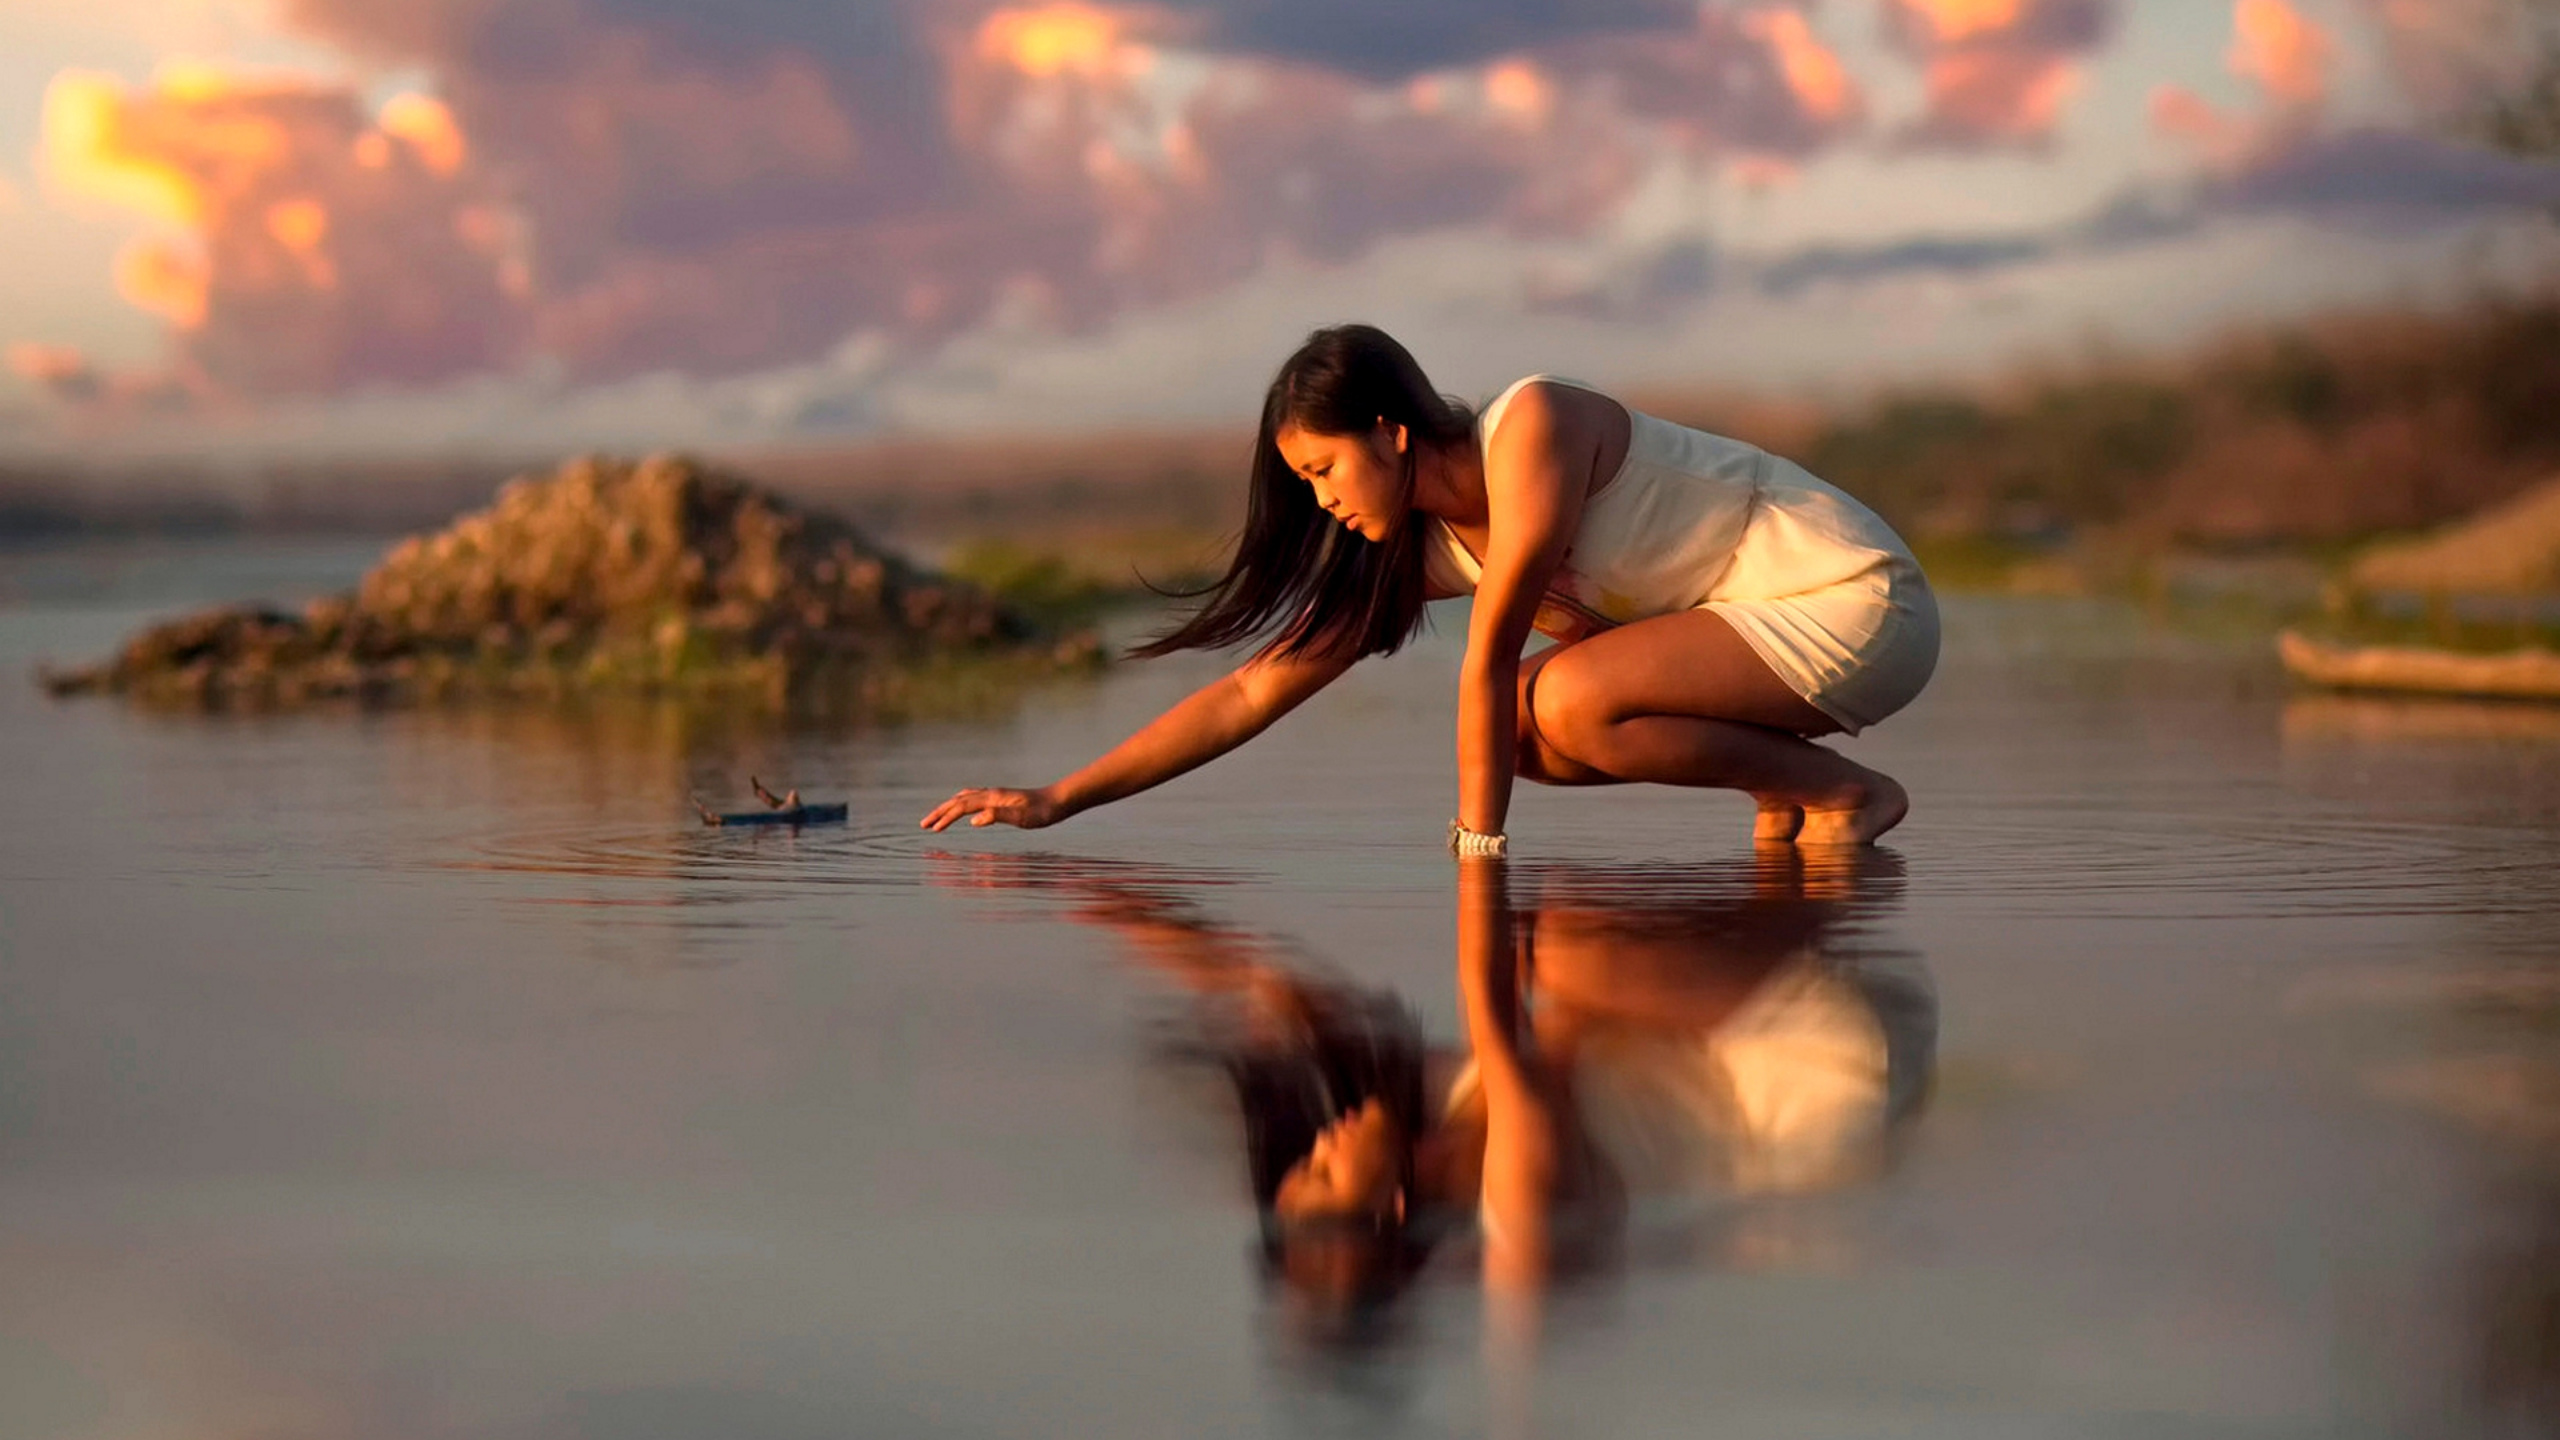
{"x": 1359, "y": 479}
{"x": 1353, "y": 1169}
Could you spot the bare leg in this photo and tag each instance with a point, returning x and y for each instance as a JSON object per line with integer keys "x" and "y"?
{"x": 1683, "y": 700}
{"x": 1539, "y": 759}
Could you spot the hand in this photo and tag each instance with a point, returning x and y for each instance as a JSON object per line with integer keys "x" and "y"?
{"x": 1028, "y": 809}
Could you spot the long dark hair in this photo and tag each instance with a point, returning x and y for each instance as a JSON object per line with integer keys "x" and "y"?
{"x": 1323, "y": 589}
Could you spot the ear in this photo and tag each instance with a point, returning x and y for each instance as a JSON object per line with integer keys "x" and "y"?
{"x": 1397, "y": 429}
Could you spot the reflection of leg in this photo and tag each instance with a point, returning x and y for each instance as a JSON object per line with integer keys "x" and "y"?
{"x": 1683, "y": 700}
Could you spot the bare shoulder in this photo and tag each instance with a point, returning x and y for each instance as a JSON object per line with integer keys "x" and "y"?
{"x": 1564, "y": 423}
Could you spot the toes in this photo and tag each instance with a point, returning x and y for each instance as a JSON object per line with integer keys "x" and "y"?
{"x": 1777, "y": 820}
{"x": 1859, "y": 826}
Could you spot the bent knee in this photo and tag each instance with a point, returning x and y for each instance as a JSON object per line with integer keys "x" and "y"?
{"x": 1532, "y": 758}
{"x": 1536, "y": 762}
{"x": 1540, "y": 756}
{"x": 1564, "y": 704}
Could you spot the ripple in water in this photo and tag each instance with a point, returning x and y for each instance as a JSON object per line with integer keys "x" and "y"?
{"x": 673, "y": 864}
{"x": 2227, "y": 867}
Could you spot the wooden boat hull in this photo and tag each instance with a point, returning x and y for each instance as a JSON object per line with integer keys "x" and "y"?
{"x": 2416, "y": 670}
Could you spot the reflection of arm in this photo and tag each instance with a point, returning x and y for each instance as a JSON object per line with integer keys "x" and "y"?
{"x": 1202, "y": 956}
{"x": 1208, "y": 723}
{"x": 1520, "y": 1131}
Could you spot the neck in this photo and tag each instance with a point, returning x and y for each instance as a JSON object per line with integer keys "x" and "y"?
{"x": 1449, "y": 482}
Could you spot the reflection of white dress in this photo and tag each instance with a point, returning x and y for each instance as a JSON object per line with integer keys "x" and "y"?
{"x": 1793, "y": 1092}
{"x": 1788, "y": 1094}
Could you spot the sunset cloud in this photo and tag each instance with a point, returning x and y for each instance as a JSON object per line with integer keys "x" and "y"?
{"x": 2281, "y": 55}
{"x": 1820, "y": 83}
{"x": 1997, "y": 73}
{"x": 616, "y": 188}
{"x": 2284, "y": 54}
{"x": 58, "y": 370}
{"x": 297, "y": 244}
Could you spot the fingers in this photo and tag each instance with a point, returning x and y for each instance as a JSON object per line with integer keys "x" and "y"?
{"x": 983, "y": 807}
{"x": 941, "y": 816}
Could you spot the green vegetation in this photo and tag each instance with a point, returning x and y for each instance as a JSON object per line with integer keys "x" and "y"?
{"x": 2434, "y": 623}
{"x": 2064, "y": 455}
{"x": 2306, "y": 441}
{"x": 1073, "y": 581}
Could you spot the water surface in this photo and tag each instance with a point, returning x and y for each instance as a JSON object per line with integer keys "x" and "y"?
{"x": 432, "y": 1074}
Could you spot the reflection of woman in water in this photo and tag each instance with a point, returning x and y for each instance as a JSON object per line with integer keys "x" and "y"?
{"x": 1714, "y": 606}
{"x": 1632, "y": 1036}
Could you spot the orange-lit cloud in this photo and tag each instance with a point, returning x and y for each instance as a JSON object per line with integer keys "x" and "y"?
{"x": 1751, "y": 83}
{"x": 57, "y": 369}
{"x": 1518, "y": 90}
{"x": 1820, "y": 82}
{"x": 2280, "y": 54}
{"x": 1995, "y": 95}
{"x": 167, "y": 278}
{"x": 2283, "y": 53}
{"x": 427, "y": 126}
{"x": 1952, "y": 22}
{"x": 1995, "y": 72}
{"x": 297, "y": 244}
{"x": 2185, "y": 116}
{"x": 623, "y": 187}
{"x": 1061, "y": 39}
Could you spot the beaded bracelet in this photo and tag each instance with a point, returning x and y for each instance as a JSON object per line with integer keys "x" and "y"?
{"x": 1463, "y": 841}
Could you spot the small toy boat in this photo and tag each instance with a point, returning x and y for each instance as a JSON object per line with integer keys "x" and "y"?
{"x": 784, "y": 809}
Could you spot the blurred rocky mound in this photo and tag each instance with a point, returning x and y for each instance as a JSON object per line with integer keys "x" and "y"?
{"x": 2509, "y": 549}
{"x": 659, "y": 576}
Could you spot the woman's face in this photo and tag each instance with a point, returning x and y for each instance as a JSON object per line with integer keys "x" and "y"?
{"x": 1353, "y": 1169}
{"x": 1359, "y": 479}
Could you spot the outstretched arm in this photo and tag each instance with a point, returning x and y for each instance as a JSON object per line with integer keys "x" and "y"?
{"x": 1208, "y": 723}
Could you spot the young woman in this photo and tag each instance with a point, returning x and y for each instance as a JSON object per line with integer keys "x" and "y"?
{"x": 1714, "y": 607}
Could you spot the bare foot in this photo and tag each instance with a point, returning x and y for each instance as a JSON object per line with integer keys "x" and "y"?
{"x": 1777, "y": 820}
{"x": 1879, "y": 810}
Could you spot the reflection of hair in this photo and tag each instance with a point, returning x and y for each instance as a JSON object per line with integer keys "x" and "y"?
{"x": 1352, "y": 1045}
{"x": 1324, "y": 589}
{"x": 1349, "y": 1046}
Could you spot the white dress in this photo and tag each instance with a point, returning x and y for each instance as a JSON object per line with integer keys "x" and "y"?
{"x": 1815, "y": 582}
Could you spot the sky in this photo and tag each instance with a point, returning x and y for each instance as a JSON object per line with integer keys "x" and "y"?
{"x": 330, "y": 226}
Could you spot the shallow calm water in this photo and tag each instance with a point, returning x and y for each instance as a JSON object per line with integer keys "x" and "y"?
{"x": 435, "y": 1075}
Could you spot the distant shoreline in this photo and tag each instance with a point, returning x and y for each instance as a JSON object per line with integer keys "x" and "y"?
{"x": 915, "y": 490}
{"x": 2310, "y": 438}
